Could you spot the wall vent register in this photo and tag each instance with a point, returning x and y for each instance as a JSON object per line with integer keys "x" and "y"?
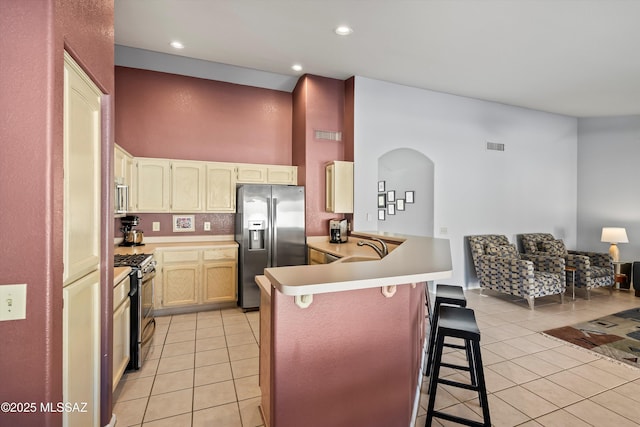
{"x": 495, "y": 146}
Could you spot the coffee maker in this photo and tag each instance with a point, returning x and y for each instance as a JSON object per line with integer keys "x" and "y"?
{"x": 132, "y": 237}
{"x": 338, "y": 229}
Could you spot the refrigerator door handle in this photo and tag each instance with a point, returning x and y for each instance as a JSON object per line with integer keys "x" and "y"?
{"x": 269, "y": 243}
{"x": 274, "y": 231}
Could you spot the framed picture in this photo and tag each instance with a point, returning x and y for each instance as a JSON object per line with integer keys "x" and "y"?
{"x": 391, "y": 196}
{"x": 382, "y": 201}
{"x": 408, "y": 196}
{"x": 381, "y": 214}
{"x": 380, "y": 186}
{"x": 184, "y": 223}
{"x": 400, "y": 204}
{"x": 391, "y": 209}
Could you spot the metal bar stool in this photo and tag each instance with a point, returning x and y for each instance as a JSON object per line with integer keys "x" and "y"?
{"x": 460, "y": 323}
{"x": 445, "y": 294}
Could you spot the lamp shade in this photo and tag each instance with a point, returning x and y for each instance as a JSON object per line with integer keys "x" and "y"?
{"x": 614, "y": 235}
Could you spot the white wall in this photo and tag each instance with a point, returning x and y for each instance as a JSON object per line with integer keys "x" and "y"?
{"x": 530, "y": 187}
{"x": 609, "y": 182}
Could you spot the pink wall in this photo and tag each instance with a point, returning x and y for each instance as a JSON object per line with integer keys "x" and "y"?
{"x": 318, "y": 105}
{"x": 348, "y": 359}
{"x": 179, "y": 117}
{"x": 32, "y": 38}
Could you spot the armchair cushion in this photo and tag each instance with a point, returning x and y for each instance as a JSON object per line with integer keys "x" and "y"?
{"x": 553, "y": 247}
{"x": 505, "y": 251}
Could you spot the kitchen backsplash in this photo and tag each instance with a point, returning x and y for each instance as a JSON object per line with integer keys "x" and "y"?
{"x": 221, "y": 224}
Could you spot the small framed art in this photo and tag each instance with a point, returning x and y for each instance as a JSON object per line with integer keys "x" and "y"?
{"x": 391, "y": 209}
{"x": 184, "y": 223}
{"x": 381, "y": 214}
{"x": 400, "y": 204}
{"x": 382, "y": 201}
{"x": 391, "y": 196}
{"x": 380, "y": 186}
{"x": 408, "y": 196}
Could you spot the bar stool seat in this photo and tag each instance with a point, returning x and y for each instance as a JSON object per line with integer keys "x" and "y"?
{"x": 458, "y": 322}
{"x": 445, "y": 294}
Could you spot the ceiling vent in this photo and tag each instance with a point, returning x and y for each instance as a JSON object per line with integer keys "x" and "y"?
{"x": 495, "y": 146}
{"x": 328, "y": 135}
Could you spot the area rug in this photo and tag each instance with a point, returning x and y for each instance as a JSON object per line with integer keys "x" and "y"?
{"x": 616, "y": 336}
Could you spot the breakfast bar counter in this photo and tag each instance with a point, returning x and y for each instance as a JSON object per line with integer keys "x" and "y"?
{"x": 341, "y": 344}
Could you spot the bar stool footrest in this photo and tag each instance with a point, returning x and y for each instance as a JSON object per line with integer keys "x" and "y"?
{"x": 459, "y": 367}
{"x": 459, "y": 420}
{"x": 458, "y": 384}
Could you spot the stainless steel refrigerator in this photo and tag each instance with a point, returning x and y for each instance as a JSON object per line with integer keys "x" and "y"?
{"x": 270, "y": 229}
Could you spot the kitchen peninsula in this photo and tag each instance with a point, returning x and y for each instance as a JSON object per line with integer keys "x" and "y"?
{"x": 341, "y": 344}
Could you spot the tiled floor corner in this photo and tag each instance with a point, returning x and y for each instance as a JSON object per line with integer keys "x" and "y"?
{"x": 203, "y": 370}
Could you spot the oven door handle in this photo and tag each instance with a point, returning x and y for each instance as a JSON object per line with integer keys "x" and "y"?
{"x": 133, "y": 291}
{"x": 148, "y": 336}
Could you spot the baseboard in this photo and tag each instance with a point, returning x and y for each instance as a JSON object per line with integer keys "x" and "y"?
{"x": 112, "y": 422}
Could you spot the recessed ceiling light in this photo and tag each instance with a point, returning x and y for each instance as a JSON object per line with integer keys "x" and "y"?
{"x": 296, "y": 67}
{"x": 176, "y": 45}
{"x": 343, "y": 30}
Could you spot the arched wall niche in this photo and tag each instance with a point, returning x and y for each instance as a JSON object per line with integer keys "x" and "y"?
{"x": 402, "y": 170}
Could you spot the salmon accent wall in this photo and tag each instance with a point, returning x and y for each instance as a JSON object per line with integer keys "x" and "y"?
{"x": 179, "y": 117}
{"x": 318, "y": 105}
{"x": 33, "y": 36}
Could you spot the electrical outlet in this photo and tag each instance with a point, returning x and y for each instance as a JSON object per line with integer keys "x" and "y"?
{"x": 155, "y": 226}
{"x": 444, "y": 231}
{"x": 13, "y": 302}
{"x": 207, "y": 226}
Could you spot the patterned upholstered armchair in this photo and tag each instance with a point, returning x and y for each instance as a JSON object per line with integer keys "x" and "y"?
{"x": 500, "y": 268}
{"x": 593, "y": 269}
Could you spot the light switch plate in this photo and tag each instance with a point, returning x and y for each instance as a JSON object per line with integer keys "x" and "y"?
{"x": 207, "y": 226}
{"x": 13, "y": 302}
{"x": 155, "y": 226}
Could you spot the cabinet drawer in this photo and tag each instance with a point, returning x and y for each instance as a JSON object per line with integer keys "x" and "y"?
{"x": 316, "y": 257}
{"x": 180, "y": 256}
{"x": 220, "y": 254}
{"x": 121, "y": 292}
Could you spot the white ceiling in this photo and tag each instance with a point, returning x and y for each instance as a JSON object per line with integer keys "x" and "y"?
{"x": 575, "y": 57}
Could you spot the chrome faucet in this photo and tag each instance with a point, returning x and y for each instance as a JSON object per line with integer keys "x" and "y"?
{"x": 381, "y": 252}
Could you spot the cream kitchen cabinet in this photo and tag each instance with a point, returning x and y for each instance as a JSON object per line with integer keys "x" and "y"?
{"x": 122, "y": 166}
{"x": 267, "y": 174}
{"x": 121, "y": 328}
{"x": 188, "y": 186}
{"x": 153, "y": 183}
{"x": 196, "y": 276}
{"x": 339, "y": 187}
{"x": 220, "y": 275}
{"x": 180, "y": 277}
{"x": 82, "y": 135}
{"x": 221, "y": 187}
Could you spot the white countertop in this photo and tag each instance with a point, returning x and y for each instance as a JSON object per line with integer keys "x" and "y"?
{"x": 416, "y": 259}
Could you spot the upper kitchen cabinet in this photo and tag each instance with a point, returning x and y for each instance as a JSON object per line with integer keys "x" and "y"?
{"x": 122, "y": 166}
{"x": 339, "y": 187}
{"x": 152, "y": 185}
{"x": 187, "y": 186}
{"x": 221, "y": 187}
{"x": 282, "y": 175}
{"x": 267, "y": 174}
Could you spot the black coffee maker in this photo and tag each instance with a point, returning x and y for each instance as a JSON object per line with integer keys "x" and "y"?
{"x": 132, "y": 237}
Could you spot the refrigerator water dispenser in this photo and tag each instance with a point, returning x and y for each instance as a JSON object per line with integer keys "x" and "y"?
{"x": 256, "y": 235}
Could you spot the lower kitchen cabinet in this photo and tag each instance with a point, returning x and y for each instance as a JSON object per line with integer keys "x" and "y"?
{"x": 219, "y": 281}
{"x": 196, "y": 277}
{"x": 121, "y": 329}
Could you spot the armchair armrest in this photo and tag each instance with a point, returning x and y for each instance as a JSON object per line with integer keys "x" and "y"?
{"x": 546, "y": 263}
{"x": 506, "y": 268}
{"x": 598, "y": 259}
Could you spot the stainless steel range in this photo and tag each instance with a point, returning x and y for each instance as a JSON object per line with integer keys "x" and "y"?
{"x": 143, "y": 325}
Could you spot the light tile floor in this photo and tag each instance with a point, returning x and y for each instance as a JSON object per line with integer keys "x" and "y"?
{"x": 203, "y": 370}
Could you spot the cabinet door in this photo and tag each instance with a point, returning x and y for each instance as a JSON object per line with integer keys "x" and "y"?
{"x": 119, "y": 164}
{"x": 252, "y": 174}
{"x": 121, "y": 343}
{"x": 221, "y": 187}
{"x": 153, "y": 185}
{"x": 339, "y": 187}
{"x": 81, "y": 350}
{"x": 180, "y": 284}
{"x": 187, "y": 186}
{"x": 219, "y": 281}
{"x": 282, "y": 175}
{"x": 82, "y": 188}
{"x": 316, "y": 257}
